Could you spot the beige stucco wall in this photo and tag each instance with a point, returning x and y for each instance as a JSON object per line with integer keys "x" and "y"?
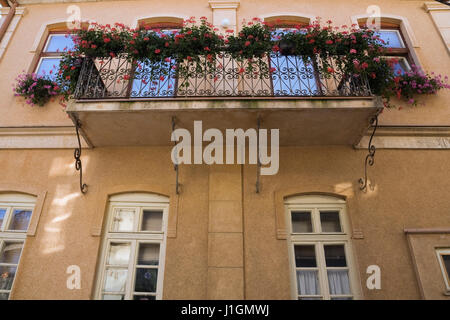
{"x": 410, "y": 185}
{"x": 404, "y": 197}
{"x": 423, "y": 252}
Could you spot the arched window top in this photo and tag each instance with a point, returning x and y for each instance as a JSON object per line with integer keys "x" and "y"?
{"x": 315, "y": 199}
{"x": 288, "y": 19}
{"x": 15, "y": 197}
{"x": 390, "y": 20}
{"x": 139, "y": 197}
{"x": 161, "y": 22}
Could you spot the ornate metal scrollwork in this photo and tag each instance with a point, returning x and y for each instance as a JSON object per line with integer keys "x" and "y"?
{"x": 177, "y": 185}
{"x": 77, "y": 156}
{"x": 370, "y": 158}
{"x": 274, "y": 75}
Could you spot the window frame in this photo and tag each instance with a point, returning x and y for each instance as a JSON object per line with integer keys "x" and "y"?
{"x": 134, "y": 237}
{"x": 319, "y": 240}
{"x": 291, "y": 24}
{"x": 440, "y": 252}
{"x": 43, "y": 54}
{"x": 404, "y": 53}
{"x": 10, "y": 202}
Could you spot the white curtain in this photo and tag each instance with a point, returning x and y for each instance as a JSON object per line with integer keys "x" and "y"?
{"x": 308, "y": 282}
{"x": 338, "y": 282}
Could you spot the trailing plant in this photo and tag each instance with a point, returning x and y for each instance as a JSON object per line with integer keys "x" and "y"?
{"x": 253, "y": 43}
{"x": 415, "y": 82}
{"x": 195, "y": 47}
{"x": 37, "y": 90}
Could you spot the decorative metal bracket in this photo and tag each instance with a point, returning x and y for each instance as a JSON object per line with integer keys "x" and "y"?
{"x": 177, "y": 185}
{"x": 77, "y": 156}
{"x": 258, "y": 170}
{"x": 370, "y": 158}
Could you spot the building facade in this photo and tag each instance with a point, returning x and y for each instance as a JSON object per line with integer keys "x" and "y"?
{"x": 141, "y": 229}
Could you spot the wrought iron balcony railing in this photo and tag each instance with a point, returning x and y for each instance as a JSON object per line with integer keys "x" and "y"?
{"x": 285, "y": 76}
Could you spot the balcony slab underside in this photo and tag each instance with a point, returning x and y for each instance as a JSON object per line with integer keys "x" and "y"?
{"x": 302, "y": 122}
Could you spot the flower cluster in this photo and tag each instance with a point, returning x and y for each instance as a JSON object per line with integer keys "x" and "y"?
{"x": 37, "y": 90}
{"x": 406, "y": 86}
{"x": 347, "y": 50}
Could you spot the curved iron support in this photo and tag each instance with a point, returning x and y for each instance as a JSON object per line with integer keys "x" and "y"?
{"x": 177, "y": 185}
{"x": 77, "y": 156}
{"x": 258, "y": 170}
{"x": 370, "y": 158}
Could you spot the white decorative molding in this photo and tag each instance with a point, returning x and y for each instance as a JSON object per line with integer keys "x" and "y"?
{"x": 224, "y": 4}
{"x": 408, "y": 138}
{"x": 434, "y": 5}
{"x": 224, "y": 14}
{"x": 20, "y": 11}
{"x": 440, "y": 14}
{"x": 39, "y": 138}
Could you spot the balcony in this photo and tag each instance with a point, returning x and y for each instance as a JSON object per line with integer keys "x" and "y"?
{"x": 120, "y": 103}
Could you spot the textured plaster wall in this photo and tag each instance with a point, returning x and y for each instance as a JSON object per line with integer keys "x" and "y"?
{"x": 410, "y": 192}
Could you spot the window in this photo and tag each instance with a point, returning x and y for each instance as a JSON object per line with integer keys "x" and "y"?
{"x": 292, "y": 76}
{"x": 320, "y": 249}
{"x": 155, "y": 84}
{"x": 132, "y": 263}
{"x": 15, "y": 216}
{"x": 50, "y": 57}
{"x": 393, "y": 40}
{"x": 444, "y": 263}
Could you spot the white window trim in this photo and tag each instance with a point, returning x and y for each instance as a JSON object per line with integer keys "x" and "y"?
{"x": 11, "y": 202}
{"x": 405, "y": 28}
{"x": 445, "y": 274}
{"x": 316, "y": 203}
{"x": 141, "y": 201}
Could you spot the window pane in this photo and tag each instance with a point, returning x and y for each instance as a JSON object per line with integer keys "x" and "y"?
{"x": 119, "y": 253}
{"x": 330, "y": 221}
{"x": 2, "y": 216}
{"x": 7, "y": 277}
{"x": 339, "y": 282}
{"x": 123, "y": 220}
{"x": 308, "y": 282}
{"x": 146, "y": 280}
{"x": 4, "y": 296}
{"x": 342, "y": 298}
{"x": 113, "y": 297}
{"x": 391, "y": 39}
{"x": 49, "y": 67}
{"x": 401, "y": 66}
{"x": 20, "y": 220}
{"x": 305, "y": 256}
{"x": 115, "y": 280}
{"x": 59, "y": 43}
{"x": 446, "y": 259}
{"x": 301, "y": 222}
{"x": 292, "y": 76}
{"x": 11, "y": 252}
{"x": 141, "y": 297}
{"x": 310, "y": 298}
{"x": 148, "y": 254}
{"x": 150, "y": 83}
{"x": 151, "y": 220}
{"x": 335, "y": 256}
